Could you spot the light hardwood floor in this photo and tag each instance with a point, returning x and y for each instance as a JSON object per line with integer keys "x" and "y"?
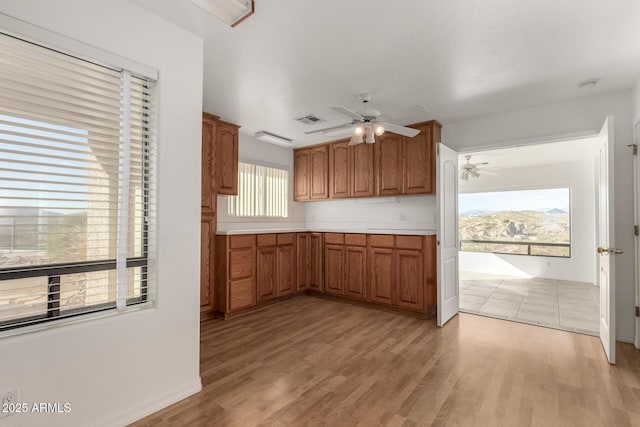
{"x": 318, "y": 362}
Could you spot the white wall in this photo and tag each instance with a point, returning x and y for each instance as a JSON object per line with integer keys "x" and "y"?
{"x": 579, "y": 178}
{"x": 636, "y": 102}
{"x": 576, "y": 117}
{"x": 251, "y": 150}
{"x": 373, "y": 214}
{"x": 116, "y": 369}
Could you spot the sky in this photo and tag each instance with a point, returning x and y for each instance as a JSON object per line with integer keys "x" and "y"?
{"x": 515, "y": 200}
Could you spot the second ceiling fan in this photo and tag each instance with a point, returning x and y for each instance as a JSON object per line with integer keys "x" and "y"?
{"x": 368, "y": 122}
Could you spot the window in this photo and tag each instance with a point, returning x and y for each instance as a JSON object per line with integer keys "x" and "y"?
{"x": 76, "y": 186}
{"x": 529, "y": 222}
{"x": 262, "y": 192}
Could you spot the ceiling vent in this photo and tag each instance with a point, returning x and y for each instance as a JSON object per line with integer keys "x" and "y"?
{"x": 310, "y": 119}
{"x": 272, "y": 138}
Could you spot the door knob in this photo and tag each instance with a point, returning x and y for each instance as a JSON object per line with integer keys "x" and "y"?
{"x": 615, "y": 251}
{"x": 602, "y": 250}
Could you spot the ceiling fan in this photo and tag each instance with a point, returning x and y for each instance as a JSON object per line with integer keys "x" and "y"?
{"x": 471, "y": 170}
{"x": 368, "y": 122}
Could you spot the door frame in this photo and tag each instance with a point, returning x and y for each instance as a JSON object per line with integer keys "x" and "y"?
{"x": 636, "y": 216}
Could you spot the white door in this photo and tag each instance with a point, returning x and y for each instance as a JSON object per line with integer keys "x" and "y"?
{"x": 606, "y": 249}
{"x": 447, "y": 195}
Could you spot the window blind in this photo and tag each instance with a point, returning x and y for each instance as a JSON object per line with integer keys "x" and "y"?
{"x": 76, "y": 185}
{"x": 262, "y": 192}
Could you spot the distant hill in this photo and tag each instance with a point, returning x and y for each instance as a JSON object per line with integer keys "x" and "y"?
{"x": 550, "y": 226}
{"x": 476, "y": 212}
{"x": 556, "y": 211}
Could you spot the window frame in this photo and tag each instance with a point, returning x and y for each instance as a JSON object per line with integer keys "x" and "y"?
{"x": 51, "y": 318}
{"x": 569, "y": 245}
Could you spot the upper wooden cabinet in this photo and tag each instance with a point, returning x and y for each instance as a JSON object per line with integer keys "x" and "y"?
{"x": 389, "y": 159}
{"x": 311, "y": 172}
{"x": 394, "y": 165}
{"x": 319, "y": 184}
{"x": 362, "y": 170}
{"x": 339, "y": 162}
{"x": 209, "y": 127}
{"x": 226, "y": 152}
{"x": 419, "y": 159}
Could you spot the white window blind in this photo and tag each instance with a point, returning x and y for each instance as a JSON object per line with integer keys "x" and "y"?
{"x": 262, "y": 192}
{"x": 76, "y": 185}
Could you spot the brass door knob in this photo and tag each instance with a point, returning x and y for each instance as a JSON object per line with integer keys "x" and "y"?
{"x": 602, "y": 250}
{"x": 615, "y": 251}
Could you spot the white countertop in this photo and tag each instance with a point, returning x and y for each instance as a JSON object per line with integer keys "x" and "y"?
{"x": 412, "y": 232}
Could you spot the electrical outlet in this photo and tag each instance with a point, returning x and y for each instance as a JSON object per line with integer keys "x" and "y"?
{"x": 8, "y": 400}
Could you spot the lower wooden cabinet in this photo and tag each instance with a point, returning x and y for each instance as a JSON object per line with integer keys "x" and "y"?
{"x": 395, "y": 271}
{"x": 382, "y": 268}
{"x": 266, "y": 268}
{"x": 235, "y": 273}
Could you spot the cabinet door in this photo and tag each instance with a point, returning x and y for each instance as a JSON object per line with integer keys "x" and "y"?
{"x": 301, "y": 175}
{"x": 410, "y": 278}
{"x": 419, "y": 162}
{"x": 362, "y": 170}
{"x": 207, "y": 247}
{"x": 389, "y": 159}
{"x": 241, "y": 277}
{"x": 208, "y": 201}
{"x": 226, "y": 174}
{"x": 316, "y": 264}
{"x": 381, "y": 275}
{"x": 355, "y": 268}
{"x": 319, "y": 168}
{"x": 286, "y": 269}
{"x": 302, "y": 261}
{"x": 339, "y": 170}
{"x": 266, "y": 265}
{"x": 334, "y": 269}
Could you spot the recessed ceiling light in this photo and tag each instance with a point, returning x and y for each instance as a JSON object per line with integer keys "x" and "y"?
{"x": 589, "y": 83}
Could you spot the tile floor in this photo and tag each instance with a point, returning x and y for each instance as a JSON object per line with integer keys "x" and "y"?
{"x": 570, "y": 306}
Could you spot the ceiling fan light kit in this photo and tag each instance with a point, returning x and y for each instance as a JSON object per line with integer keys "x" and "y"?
{"x": 470, "y": 170}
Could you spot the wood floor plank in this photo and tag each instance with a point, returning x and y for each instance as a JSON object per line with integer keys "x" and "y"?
{"x": 318, "y": 362}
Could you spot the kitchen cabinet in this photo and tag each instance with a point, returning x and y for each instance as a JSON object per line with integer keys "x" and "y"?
{"x": 419, "y": 159}
{"x": 319, "y": 184}
{"x": 301, "y": 174}
{"x": 286, "y": 264}
{"x": 207, "y": 257}
{"x": 235, "y": 273}
{"x": 266, "y": 267}
{"x": 382, "y": 267}
{"x": 362, "y": 170}
{"x": 355, "y": 266}
{"x": 226, "y": 155}
{"x": 208, "y": 198}
{"x": 389, "y": 159}
{"x": 310, "y": 261}
{"x": 394, "y": 165}
{"x": 311, "y": 173}
{"x": 334, "y": 268}
{"x": 339, "y": 169}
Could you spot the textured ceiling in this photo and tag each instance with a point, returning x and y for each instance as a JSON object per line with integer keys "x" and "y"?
{"x": 458, "y": 58}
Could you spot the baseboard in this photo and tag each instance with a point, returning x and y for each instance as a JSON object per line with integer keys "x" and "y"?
{"x": 152, "y": 405}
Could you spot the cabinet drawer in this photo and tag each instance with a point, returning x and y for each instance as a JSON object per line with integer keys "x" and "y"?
{"x": 334, "y": 238}
{"x": 240, "y": 263}
{"x": 266, "y": 240}
{"x": 241, "y": 241}
{"x": 355, "y": 239}
{"x": 286, "y": 238}
{"x": 409, "y": 242}
{"x": 381, "y": 240}
{"x": 240, "y": 294}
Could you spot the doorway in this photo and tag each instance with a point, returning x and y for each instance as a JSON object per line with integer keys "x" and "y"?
{"x": 527, "y": 227}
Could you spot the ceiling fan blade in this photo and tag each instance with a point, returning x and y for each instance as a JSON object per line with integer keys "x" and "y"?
{"x": 400, "y": 130}
{"x": 338, "y": 133}
{"x": 411, "y": 114}
{"x": 347, "y": 112}
{"x": 330, "y": 129}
